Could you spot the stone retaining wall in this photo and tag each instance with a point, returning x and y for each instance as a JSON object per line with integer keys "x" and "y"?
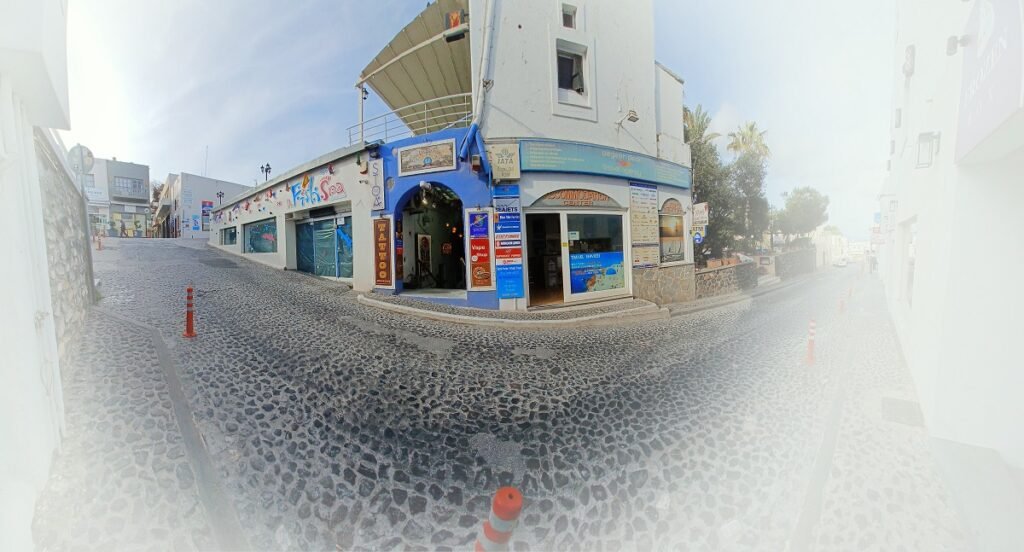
{"x": 67, "y": 246}
{"x": 727, "y": 279}
{"x": 663, "y": 285}
{"x": 794, "y": 263}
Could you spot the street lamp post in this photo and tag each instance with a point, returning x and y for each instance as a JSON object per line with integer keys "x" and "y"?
{"x": 220, "y": 198}
{"x": 265, "y": 169}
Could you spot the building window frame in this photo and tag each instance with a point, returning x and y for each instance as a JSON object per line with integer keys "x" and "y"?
{"x": 267, "y": 224}
{"x": 569, "y": 13}
{"x": 229, "y": 236}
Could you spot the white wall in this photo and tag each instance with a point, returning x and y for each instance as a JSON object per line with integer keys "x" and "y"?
{"x": 620, "y": 72}
{"x": 192, "y": 190}
{"x": 959, "y": 320}
{"x": 33, "y": 91}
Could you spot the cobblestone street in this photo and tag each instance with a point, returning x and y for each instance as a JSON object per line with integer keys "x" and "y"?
{"x": 324, "y": 424}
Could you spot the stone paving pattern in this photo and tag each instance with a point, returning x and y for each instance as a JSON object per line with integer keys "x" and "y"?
{"x": 122, "y": 480}
{"x": 337, "y": 425}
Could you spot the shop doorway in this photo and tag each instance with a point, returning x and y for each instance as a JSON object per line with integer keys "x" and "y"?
{"x": 433, "y": 251}
{"x": 324, "y": 246}
{"x": 544, "y": 258}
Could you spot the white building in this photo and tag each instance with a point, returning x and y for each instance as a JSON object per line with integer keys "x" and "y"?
{"x": 33, "y": 93}
{"x": 119, "y": 195}
{"x": 950, "y": 216}
{"x": 186, "y": 205}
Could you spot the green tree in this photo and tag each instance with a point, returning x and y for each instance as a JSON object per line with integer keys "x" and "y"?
{"x": 806, "y": 209}
{"x": 747, "y": 176}
{"x": 710, "y": 184}
{"x": 748, "y": 139}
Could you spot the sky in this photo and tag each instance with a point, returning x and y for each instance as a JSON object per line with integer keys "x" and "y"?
{"x": 219, "y": 88}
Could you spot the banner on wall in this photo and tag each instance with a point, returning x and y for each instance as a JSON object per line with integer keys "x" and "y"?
{"x": 596, "y": 272}
{"x": 478, "y": 224}
{"x": 207, "y": 208}
{"x": 196, "y": 225}
{"x": 643, "y": 224}
{"x": 382, "y": 252}
{"x": 508, "y": 248}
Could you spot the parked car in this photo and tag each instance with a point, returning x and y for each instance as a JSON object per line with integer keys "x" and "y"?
{"x": 840, "y": 262}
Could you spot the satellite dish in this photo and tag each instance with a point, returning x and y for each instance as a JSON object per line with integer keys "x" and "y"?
{"x": 81, "y": 160}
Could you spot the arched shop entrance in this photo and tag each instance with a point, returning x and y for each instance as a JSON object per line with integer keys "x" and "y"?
{"x": 432, "y": 243}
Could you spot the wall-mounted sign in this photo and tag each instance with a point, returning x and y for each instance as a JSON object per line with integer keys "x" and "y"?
{"x": 478, "y": 230}
{"x": 992, "y": 76}
{"x": 207, "y": 207}
{"x": 504, "y": 160}
{"x": 377, "y": 193}
{"x": 508, "y": 248}
{"x": 576, "y": 198}
{"x": 700, "y": 214}
{"x": 382, "y": 252}
{"x": 505, "y": 190}
{"x": 426, "y": 158}
{"x": 643, "y": 224}
{"x": 558, "y": 156}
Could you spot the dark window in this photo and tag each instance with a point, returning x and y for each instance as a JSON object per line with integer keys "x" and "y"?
{"x": 229, "y": 236}
{"x": 568, "y": 16}
{"x": 570, "y": 72}
{"x": 260, "y": 237}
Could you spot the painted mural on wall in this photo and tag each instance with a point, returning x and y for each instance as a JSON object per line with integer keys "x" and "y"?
{"x": 314, "y": 188}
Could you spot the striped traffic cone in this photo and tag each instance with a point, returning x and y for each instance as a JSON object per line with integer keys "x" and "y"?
{"x": 190, "y": 330}
{"x": 810, "y": 342}
{"x": 497, "y": 531}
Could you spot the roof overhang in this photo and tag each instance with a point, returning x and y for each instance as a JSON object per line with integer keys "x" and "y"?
{"x": 419, "y": 64}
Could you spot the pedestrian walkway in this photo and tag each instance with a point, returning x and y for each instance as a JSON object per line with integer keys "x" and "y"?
{"x": 122, "y": 480}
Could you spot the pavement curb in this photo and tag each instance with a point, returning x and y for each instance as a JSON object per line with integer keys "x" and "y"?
{"x": 737, "y": 297}
{"x": 638, "y": 314}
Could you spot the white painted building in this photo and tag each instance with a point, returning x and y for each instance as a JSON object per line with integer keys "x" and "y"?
{"x": 33, "y": 92}
{"x": 586, "y": 121}
{"x": 119, "y": 195}
{"x": 950, "y": 216}
{"x": 187, "y": 201}
{"x": 313, "y": 218}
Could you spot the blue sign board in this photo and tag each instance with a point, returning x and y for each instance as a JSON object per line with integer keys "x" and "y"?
{"x": 510, "y": 281}
{"x": 505, "y": 190}
{"x": 558, "y": 156}
{"x": 697, "y": 238}
{"x": 478, "y": 225}
{"x": 508, "y": 223}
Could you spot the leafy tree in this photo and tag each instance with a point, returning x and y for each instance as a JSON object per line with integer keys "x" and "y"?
{"x": 806, "y": 209}
{"x": 710, "y": 184}
{"x": 747, "y": 175}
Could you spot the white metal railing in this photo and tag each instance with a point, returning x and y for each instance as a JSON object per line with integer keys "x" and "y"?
{"x": 453, "y": 111}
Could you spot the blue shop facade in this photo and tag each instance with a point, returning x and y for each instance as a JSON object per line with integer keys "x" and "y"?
{"x": 528, "y": 223}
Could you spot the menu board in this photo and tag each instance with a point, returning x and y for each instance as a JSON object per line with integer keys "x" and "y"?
{"x": 643, "y": 224}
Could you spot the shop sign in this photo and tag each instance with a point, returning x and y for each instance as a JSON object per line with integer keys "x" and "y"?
{"x": 505, "y": 190}
{"x": 700, "y": 214}
{"x": 576, "y": 198}
{"x": 479, "y": 232}
{"x": 992, "y": 77}
{"x": 643, "y": 224}
{"x": 382, "y": 252}
{"x": 426, "y": 158}
{"x": 573, "y": 157}
{"x": 508, "y": 248}
{"x": 196, "y": 225}
{"x": 504, "y": 160}
{"x": 596, "y": 272}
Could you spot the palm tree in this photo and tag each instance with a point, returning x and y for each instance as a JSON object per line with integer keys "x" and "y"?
{"x": 748, "y": 139}
{"x": 695, "y": 126}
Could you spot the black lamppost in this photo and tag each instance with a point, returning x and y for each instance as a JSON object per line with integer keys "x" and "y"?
{"x": 220, "y": 198}
{"x": 265, "y": 169}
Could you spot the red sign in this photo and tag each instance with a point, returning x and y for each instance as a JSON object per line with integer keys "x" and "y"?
{"x": 382, "y": 251}
{"x": 480, "y": 262}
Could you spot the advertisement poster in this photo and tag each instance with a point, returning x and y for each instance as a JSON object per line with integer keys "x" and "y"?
{"x": 207, "y": 208}
{"x": 382, "y": 252}
{"x": 195, "y": 222}
{"x": 479, "y": 230}
{"x": 596, "y": 272}
{"x": 508, "y": 248}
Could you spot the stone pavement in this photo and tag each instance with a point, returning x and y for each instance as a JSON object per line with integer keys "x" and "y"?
{"x": 334, "y": 425}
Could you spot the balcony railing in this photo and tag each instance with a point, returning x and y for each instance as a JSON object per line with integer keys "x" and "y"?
{"x": 453, "y": 111}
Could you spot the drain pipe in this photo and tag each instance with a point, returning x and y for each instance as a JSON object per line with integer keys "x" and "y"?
{"x": 472, "y": 137}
